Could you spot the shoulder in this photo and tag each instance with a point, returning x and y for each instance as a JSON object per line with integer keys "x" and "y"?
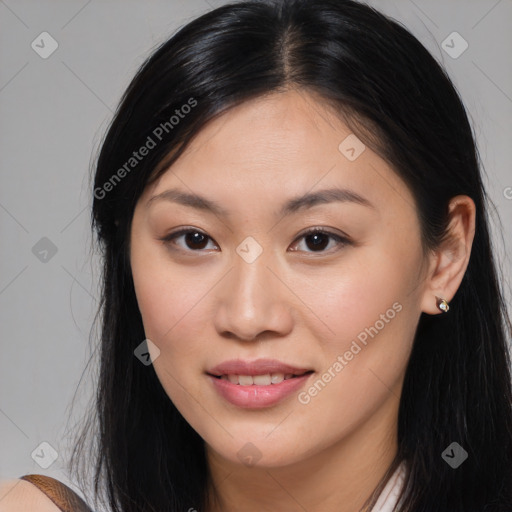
{"x": 389, "y": 496}
{"x": 17, "y": 495}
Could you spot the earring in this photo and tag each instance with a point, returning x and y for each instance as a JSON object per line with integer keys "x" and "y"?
{"x": 442, "y": 305}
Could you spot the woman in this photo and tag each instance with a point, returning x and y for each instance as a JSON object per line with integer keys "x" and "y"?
{"x": 301, "y": 309}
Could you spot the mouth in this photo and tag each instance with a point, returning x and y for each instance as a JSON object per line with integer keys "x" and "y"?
{"x": 257, "y": 384}
{"x": 264, "y": 379}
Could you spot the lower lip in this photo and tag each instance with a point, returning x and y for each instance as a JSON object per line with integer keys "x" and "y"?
{"x": 257, "y": 397}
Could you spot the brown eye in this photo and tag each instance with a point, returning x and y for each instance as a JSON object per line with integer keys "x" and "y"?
{"x": 194, "y": 240}
{"x": 316, "y": 240}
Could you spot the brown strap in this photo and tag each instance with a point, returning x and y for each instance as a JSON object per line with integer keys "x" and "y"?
{"x": 65, "y": 498}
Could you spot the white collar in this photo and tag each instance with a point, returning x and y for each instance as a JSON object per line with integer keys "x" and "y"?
{"x": 389, "y": 495}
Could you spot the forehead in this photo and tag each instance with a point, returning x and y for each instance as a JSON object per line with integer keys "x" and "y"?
{"x": 289, "y": 125}
{"x": 280, "y": 146}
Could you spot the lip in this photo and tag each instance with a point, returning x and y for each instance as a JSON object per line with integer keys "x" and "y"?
{"x": 257, "y": 367}
{"x": 256, "y": 396}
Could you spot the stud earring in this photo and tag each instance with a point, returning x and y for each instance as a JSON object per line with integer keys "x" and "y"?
{"x": 442, "y": 305}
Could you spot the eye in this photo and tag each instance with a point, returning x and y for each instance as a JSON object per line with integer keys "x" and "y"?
{"x": 196, "y": 240}
{"x": 317, "y": 239}
{"x": 193, "y": 239}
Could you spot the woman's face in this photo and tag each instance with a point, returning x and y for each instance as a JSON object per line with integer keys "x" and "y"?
{"x": 247, "y": 283}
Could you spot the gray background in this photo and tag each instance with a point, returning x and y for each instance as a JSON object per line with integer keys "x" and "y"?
{"x": 54, "y": 112}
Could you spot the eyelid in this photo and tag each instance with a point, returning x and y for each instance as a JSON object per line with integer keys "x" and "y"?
{"x": 326, "y": 231}
{"x": 167, "y": 239}
{"x": 340, "y": 237}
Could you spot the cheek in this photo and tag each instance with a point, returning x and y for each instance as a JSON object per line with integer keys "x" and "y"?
{"x": 174, "y": 306}
{"x": 165, "y": 295}
{"x": 363, "y": 362}
{"x": 365, "y": 292}
{"x": 170, "y": 307}
{"x": 371, "y": 316}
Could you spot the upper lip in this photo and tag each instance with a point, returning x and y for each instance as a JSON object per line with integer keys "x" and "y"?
{"x": 256, "y": 367}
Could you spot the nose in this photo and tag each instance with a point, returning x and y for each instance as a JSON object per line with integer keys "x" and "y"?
{"x": 253, "y": 300}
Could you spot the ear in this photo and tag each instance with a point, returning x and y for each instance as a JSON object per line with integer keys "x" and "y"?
{"x": 449, "y": 261}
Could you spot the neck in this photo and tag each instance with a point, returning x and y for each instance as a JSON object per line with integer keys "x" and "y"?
{"x": 339, "y": 478}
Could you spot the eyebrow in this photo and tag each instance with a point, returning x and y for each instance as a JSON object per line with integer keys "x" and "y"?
{"x": 291, "y": 206}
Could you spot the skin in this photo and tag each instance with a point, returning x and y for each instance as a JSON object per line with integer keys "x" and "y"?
{"x": 18, "y": 495}
{"x": 203, "y": 304}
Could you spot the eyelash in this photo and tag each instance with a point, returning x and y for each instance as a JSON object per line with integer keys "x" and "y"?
{"x": 341, "y": 240}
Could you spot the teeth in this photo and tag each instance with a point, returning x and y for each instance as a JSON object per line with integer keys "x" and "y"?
{"x": 245, "y": 380}
{"x": 262, "y": 380}
{"x": 276, "y": 378}
{"x": 258, "y": 380}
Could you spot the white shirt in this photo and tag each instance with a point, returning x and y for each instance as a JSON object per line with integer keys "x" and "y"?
{"x": 389, "y": 495}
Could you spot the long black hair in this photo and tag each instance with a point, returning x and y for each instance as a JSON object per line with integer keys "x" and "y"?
{"x": 401, "y": 103}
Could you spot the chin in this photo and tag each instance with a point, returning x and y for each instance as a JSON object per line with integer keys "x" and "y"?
{"x": 259, "y": 452}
